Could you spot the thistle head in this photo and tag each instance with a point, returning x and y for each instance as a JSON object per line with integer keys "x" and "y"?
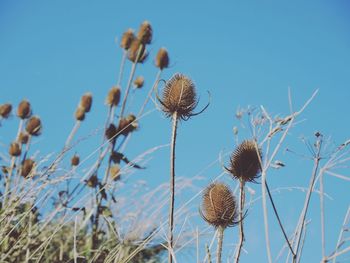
{"x": 127, "y": 38}
{"x": 27, "y": 167}
{"x": 75, "y": 160}
{"x": 113, "y": 96}
{"x": 5, "y": 110}
{"x": 245, "y": 162}
{"x": 127, "y": 125}
{"x": 162, "y": 59}
{"x": 145, "y": 33}
{"x": 137, "y": 52}
{"x": 219, "y": 206}
{"x": 15, "y": 149}
{"x": 138, "y": 82}
{"x": 34, "y": 126}
{"x": 24, "y": 109}
{"x": 86, "y": 102}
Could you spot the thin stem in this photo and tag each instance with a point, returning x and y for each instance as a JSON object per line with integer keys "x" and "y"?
{"x": 240, "y": 218}
{"x": 72, "y": 133}
{"x": 208, "y": 253}
{"x": 322, "y": 207}
{"x": 172, "y": 186}
{"x": 121, "y": 69}
{"x": 219, "y": 248}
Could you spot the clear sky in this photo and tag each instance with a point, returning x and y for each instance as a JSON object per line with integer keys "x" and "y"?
{"x": 243, "y": 52}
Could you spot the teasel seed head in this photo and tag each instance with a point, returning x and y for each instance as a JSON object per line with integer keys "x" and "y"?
{"x": 15, "y": 149}
{"x": 115, "y": 172}
{"x": 138, "y": 82}
{"x": 145, "y": 33}
{"x": 127, "y": 39}
{"x": 134, "y": 50}
{"x": 111, "y": 132}
{"x": 86, "y": 102}
{"x": 219, "y": 206}
{"x": 245, "y": 162}
{"x": 27, "y": 167}
{"x": 162, "y": 59}
{"x": 5, "y": 110}
{"x": 34, "y": 126}
{"x": 80, "y": 114}
{"x": 75, "y": 160}
{"x": 24, "y": 109}
{"x": 23, "y": 138}
{"x": 127, "y": 125}
{"x": 113, "y": 96}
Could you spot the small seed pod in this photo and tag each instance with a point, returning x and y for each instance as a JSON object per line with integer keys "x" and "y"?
{"x": 92, "y": 181}
{"x": 219, "y": 206}
{"x": 134, "y": 51}
{"x": 127, "y": 125}
{"x": 115, "y": 172}
{"x": 127, "y": 38}
{"x": 15, "y": 149}
{"x": 23, "y": 138}
{"x": 33, "y": 126}
{"x": 179, "y": 96}
{"x": 80, "y": 114}
{"x": 113, "y": 96}
{"x": 162, "y": 59}
{"x": 75, "y": 160}
{"x": 24, "y": 109}
{"x": 145, "y": 33}
{"x": 138, "y": 82}
{"x": 5, "y": 110}
{"x": 86, "y": 102}
{"x": 111, "y": 132}
{"x": 245, "y": 162}
{"x": 27, "y": 167}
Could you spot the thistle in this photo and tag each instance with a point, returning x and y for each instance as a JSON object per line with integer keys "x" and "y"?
{"x": 24, "y": 109}
{"x": 75, "y": 160}
{"x": 113, "y": 96}
{"x": 127, "y": 39}
{"x": 5, "y": 110}
{"x": 15, "y": 149}
{"x": 145, "y": 33}
{"x": 27, "y": 167}
{"x": 86, "y": 102}
{"x": 137, "y": 52}
{"x": 34, "y": 126}
{"x": 138, "y": 82}
{"x": 162, "y": 59}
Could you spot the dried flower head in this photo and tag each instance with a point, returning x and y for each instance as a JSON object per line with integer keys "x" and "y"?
{"x": 23, "y": 138}
{"x": 115, "y": 172}
{"x": 245, "y": 162}
{"x": 139, "y": 81}
{"x": 113, "y": 96}
{"x": 80, "y": 114}
{"x": 162, "y": 59}
{"x": 5, "y": 110}
{"x": 127, "y": 125}
{"x": 111, "y": 132}
{"x": 75, "y": 160}
{"x": 24, "y": 109}
{"x": 86, "y": 102}
{"x": 127, "y": 39}
{"x": 145, "y": 33}
{"x": 92, "y": 181}
{"x": 27, "y": 167}
{"x": 219, "y": 206}
{"x": 15, "y": 149}
{"x": 137, "y": 49}
{"x": 33, "y": 126}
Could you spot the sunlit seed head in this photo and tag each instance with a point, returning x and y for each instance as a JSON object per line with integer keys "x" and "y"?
{"x": 75, "y": 160}
{"x": 113, "y": 96}
{"x": 145, "y": 33}
{"x": 127, "y": 39}
{"x": 137, "y": 49}
{"x": 27, "y": 167}
{"x": 34, "y": 126}
{"x": 162, "y": 59}
{"x": 5, "y": 110}
{"x": 139, "y": 82}
{"x": 24, "y": 109}
{"x": 86, "y": 102}
{"x": 15, "y": 149}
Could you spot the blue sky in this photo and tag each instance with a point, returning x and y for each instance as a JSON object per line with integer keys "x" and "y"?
{"x": 243, "y": 52}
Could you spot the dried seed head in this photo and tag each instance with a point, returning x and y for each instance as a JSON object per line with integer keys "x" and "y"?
{"x": 27, "y": 167}
{"x": 80, "y": 114}
{"x": 15, "y": 149}
{"x": 34, "y": 126}
{"x": 24, "y": 110}
{"x": 145, "y": 33}
{"x": 111, "y": 132}
{"x": 115, "y": 172}
{"x": 127, "y": 125}
{"x": 127, "y": 38}
{"x": 139, "y": 81}
{"x": 75, "y": 160}
{"x": 5, "y": 110}
{"x": 23, "y": 138}
{"x": 179, "y": 96}
{"x": 113, "y": 96}
{"x": 86, "y": 102}
{"x": 162, "y": 59}
{"x": 137, "y": 48}
{"x": 92, "y": 181}
{"x": 245, "y": 162}
{"x": 219, "y": 207}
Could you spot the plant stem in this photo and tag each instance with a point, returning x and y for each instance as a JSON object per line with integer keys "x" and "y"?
{"x": 241, "y": 208}
{"x": 121, "y": 69}
{"x": 172, "y": 186}
{"x": 219, "y": 248}
{"x": 322, "y": 217}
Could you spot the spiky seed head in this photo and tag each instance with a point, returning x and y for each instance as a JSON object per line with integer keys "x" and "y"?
{"x": 179, "y": 96}
{"x": 111, "y": 132}
{"x": 127, "y": 125}
{"x": 15, "y": 149}
{"x": 138, "y": 82}
{"x": 145, "y": 33}
{"x": 27, "y": 167}
{"x": 5, "y": 110}
{"x": 34, "y": 126}
{"x": 23, "y": 138}
{"x": 127, "y": 38}
{"x": 115, "y": 172}
{"x": 219, "y": 206}
{"x": 80, "y": 114}
{"x": 75, "y": 160}
{"x": 24, "y": 109}
{"x": 162, "y": 59}
{"x": 245, "y": 162}
{"x": 92, "y": 181}
{"x": 134, "y": 50}
{"x": 113, "y": 96}
{"x": 86, "y": 102}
